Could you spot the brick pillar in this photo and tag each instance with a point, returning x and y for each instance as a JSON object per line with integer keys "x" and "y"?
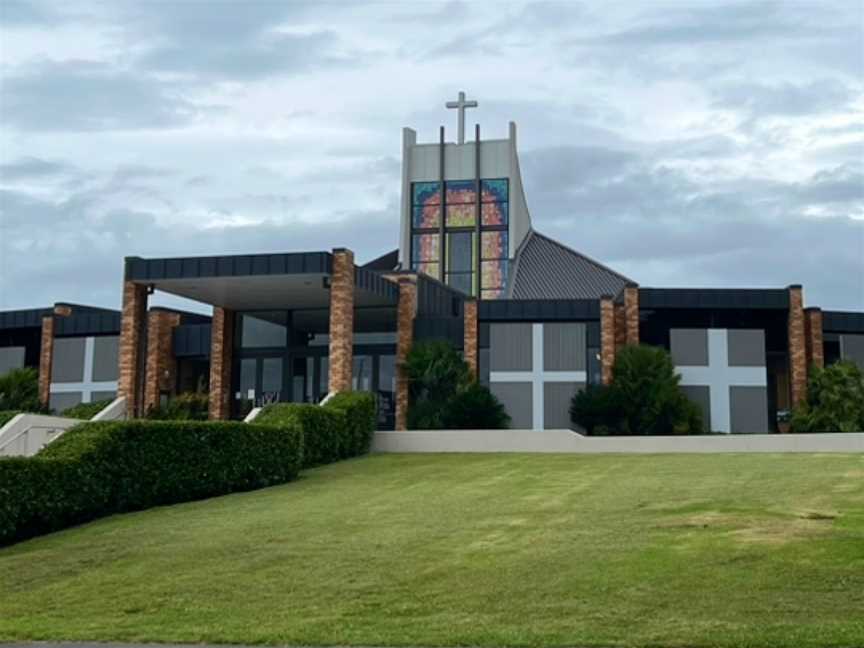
{"x": 631, "y": 313}
{"x": 161, "y": 365}
{"x": 221, "y": 346}
{"x": 619, "y": 325}
{"x": 46, "y": 359}
{"x": 797, "y": 346}
{"x": 813, "y": 334}
{"x": 607, "y": 337}
{"x": 341, "y": 320}
{"x": 469, "y": 343}
{"x": 131, "y": 349}
{"x": 405, "y": 313}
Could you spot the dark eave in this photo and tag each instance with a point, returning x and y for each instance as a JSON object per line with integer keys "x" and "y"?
{"x": 756, "y": 298}
{"x": 842, "y": 322}
{"x": 530, "y": 310}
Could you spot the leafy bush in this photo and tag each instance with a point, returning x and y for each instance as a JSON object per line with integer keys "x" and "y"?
{"x": 325, "y": 435}
{"x": 360, "y": 413}
{"x": 101, "y": 468}
{"x": 443, "y": 394}
{"x": 86, "y": 411}
{"x": 644, "y": 398}
{"x": 189, "y": 406}
{"x": 475, "y": 408}
{"x": 835, "y": 401}
{"x": 436, "y": 372}
{"x": 7, "y": 415}
{"x": 19, "y": 390}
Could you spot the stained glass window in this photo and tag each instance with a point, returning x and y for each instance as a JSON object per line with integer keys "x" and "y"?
{"x": 461, "y": 215}
{"x": 425, "y": 248}
{"x": 494, "y": 190}
{"x": 494, "y": 214}
{"x": 493, "y": 245}
{"x": 426, "y": 216}
{"x": 461, "y": 192}
{"x": 426, "y": 193}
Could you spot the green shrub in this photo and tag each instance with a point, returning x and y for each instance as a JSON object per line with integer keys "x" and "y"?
{"x": 7, "y": 415}
{"x": 436, "y": 372}
{"x": 86, "y": 411}
{"x": 835, "y": 401}
{"x": 644, "y": 398}
{"x": 101, "y": 468}
{"x": 19, "y": 390}
{"x": 475, "y": 408}
{"x": 361, "y": 418}
{"x": 189, "y": 406}
{"x": 325, "y": 431}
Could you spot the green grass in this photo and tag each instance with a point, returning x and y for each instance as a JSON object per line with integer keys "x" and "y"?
{"x": 491, "y": 550}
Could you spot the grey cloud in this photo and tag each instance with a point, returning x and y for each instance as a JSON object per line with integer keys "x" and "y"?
{"x": 32, "y": 167}
{"x": 18, "y": 13}
{"x": 843, "y": 184}
{"x": 86, "y": 96}
{"x": 759, "y": 100}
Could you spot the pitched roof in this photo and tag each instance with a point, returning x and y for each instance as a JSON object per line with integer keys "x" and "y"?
{"x": 385, "y": 262}
{"x": 546, "y": 269}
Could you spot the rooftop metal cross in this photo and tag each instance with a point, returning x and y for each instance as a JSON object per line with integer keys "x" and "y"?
{"x": 461, "y": 105}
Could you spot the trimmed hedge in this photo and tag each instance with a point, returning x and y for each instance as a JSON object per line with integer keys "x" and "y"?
{"x": 341, "y": 428}
{"x": 7, "y": 415}
{"x": 86, "y": 411}
{"x": 101, "y": 468}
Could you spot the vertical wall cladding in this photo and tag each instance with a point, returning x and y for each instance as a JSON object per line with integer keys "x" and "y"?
{"x": 724, "y": 372}
{"x": 133, "y": 326}
{"x": 536, "y": 368}
{"x": 852, "y": 349}
{"x": 815, "y": 345}
{"x": 405, "y": 314}
{"x": 46, "y": 359}
{"x": 161, "y": 363}
{"x": 341, "y": 320}
{"x": 222, "y": 340}
{"x": 797, "y": 345}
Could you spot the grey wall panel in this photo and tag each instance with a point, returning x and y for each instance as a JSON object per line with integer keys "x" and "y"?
{"x": 516, "y": 398}
{"x": 11, "y": 358}
{"x": 59, "y": 402}
{"x": 556, "y": 404}
{"x": 746, "y": 347}
{"x": 102, "y": 395}
{"x": 852, "y": 348}
{"x": 748, "y": 409}
{"x": 689, "y": 347}
{"x": 105, "y": 358}
{"x": 68, "y": 364}
{"x": 510, "y": 347}
{"x": 701, "y": 395}
{"x": 564, "y": 346}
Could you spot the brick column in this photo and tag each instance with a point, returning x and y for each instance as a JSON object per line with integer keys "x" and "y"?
{"x": 607, "y": 337}
{"x": 797, "y": 346}
{"x": 619, "y": 325}
{"x": 341, "y": 320}
{"x": 46, "y": 359}
{"x": 405, "y": 314}
{"x": 469, "y": 343}
{"x": 813, "y": 335}
{"x": 131, "y": 349}
{"x": 631, "y": 313}
{"x": 221, "y": 346}
{"x": 161, "y": 365}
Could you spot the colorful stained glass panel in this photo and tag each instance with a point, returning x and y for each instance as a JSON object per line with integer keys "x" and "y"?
{"x": 461, "y": 192}
{"x": 433, "y": 269}
{"x": 493, "y": 245}
{"x": 426, "y": 193}
{"x": 494, "y": 190}
{"x": 461, "y": 215}
{"x": 425, "y": 248}
{"x": 493, "y": 213}
{"x": 494, "y": 293}
{"x": 427, "y": 216}
{"x": 493, "y": 274}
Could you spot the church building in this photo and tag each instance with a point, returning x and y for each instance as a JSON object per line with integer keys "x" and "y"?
{"x": 535, "y": 320}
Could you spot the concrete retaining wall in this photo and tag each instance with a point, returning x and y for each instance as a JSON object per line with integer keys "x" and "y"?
{"x": 567, "y": 441}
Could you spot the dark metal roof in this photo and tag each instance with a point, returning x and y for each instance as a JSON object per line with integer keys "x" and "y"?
{"x": 375, "y": 283}
{"x": 26, "y": 318}
{"x": 384, "y": 263}
{"x": 436, "y": 299}
{"x": 757, "y": 298}
{"x": 545, "y": 269}
{"x": 138, "y": 269}
{"x": 99, "y": 322}
{"x": 536, "y": 310}
{"x": 842, "y": 322}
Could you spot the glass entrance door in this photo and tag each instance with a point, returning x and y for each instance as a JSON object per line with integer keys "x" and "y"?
{"x": 261, "y": 382}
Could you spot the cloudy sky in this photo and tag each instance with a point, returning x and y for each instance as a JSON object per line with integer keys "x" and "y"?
{"x": 682, "y": 143}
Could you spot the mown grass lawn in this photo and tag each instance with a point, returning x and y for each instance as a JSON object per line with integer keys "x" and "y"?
{"x": 481, "y": 550}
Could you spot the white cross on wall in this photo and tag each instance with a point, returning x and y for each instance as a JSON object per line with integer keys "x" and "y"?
{"x": 537, "y": 377}
{"x": 461, "y": 105}
{"x": 88, "y": 385}
{"x": 719, "y": 377}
